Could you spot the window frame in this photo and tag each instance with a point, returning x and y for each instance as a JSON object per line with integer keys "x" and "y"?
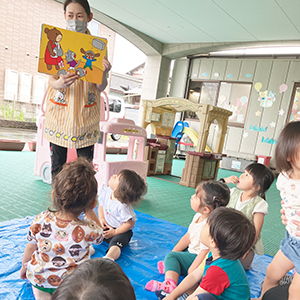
{"x": 219, "y": 82}
{"x": 292, "y": 100}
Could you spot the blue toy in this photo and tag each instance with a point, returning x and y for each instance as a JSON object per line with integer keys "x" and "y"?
{"x": 177, "y": 132}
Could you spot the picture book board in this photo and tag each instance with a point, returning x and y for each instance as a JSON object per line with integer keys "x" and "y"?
{"x": 63, "y": 51}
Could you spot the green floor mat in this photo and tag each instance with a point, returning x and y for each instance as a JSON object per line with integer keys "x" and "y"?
{"x": 23, "y": 193}
{"x": 168, "y": 201}
{"x": 170, "y": 178}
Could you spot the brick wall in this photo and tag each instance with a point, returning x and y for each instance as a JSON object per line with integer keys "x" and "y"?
{"x": 20, "y": 26}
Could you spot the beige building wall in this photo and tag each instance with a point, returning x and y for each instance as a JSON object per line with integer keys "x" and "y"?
{"x": 20, "y": 33}
{"x": 246, "y": 141}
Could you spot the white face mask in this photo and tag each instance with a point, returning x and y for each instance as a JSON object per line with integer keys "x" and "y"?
{"x": 77, "y": 25}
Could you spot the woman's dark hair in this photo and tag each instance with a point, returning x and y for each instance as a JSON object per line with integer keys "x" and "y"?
{"x": 95, "y": 279}
{"x": 131, "y": 187}
{"x": 74, "y": 187}
{"x": 263, "y": 177}
{"x": 232, "y": 232}
{"x": 287, "y": 148}
{"x": 83, "y": 3}
{"x": 215, "y": 193}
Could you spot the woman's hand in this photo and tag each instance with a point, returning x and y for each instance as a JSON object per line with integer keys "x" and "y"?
{"x": 106, "y": 65}
{"x": 65, "y": 81}
{"x": 106, "y": 68}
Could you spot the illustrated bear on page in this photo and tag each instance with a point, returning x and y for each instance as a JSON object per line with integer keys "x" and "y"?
{"x": 53, "y": 50}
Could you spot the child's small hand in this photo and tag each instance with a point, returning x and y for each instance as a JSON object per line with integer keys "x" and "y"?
{"x": 298, "y": 226}
{"x": 103, "y": 223}
{"x": 283, "y": 217}
{"x": 232, "y": 179}
{"x": 284, "y": 220}
{"x": 110, "y": 232}
{"x": 23, "y": 273}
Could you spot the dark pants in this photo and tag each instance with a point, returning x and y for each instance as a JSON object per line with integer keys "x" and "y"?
{"x": 280, "y": 292}
{"x": 58, "y": 156}
{"x": 121, "y": 240}
{"x": 206, "y": 296}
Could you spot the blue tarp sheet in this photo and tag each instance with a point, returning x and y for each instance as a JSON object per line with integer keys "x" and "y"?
{"x": 153, "y": 238}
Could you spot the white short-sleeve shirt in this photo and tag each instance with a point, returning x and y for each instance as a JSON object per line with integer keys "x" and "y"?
{"x": 115, "y": 212}
{"x": 194, "y": 231}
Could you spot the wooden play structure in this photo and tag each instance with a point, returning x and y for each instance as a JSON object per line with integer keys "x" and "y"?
{"x": 159, "y": 155}
{"x": 199, "y": 165}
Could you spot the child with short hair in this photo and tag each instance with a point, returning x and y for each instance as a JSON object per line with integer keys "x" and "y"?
{"x": 116, "y": 215}
{"x": 287, "y": 157}
{"x": 58, "y": 241}
{"x": 228, "y": 234}
{"x": 96, "y": 279}
{"x": 189, "y": 252}
{"x": 249, "y": 198}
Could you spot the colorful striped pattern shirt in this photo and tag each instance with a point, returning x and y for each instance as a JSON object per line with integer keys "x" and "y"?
{"x": 73, "y": 115}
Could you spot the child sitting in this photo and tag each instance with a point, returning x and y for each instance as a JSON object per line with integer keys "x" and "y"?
{"x": 249, "y": 198}
{"x": 228, "y": 234}
{"x": 58, "y": 241}
{"x": 96, "y": 279}
{"x": 116, "y": 215}
{"x": 189, "y": 252}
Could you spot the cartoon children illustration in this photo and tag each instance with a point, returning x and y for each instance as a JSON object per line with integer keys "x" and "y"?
{"x": 89, "y": 56}
{"x": 70, "y": 58}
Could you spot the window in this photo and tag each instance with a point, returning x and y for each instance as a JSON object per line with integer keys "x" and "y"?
{"x": 294, "y": 110}
{"x": 117, "y": 106}
{"x": 233, "y": 96}
{"x": 114, "y": 105}
{"x": 94, "y": 27}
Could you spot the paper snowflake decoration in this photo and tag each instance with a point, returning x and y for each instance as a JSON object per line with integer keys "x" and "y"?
{"x": 245, "y": 135}
{"x": 281, "y": 112}
{"x": 272, "y": 124}
{"x": 258, "y": 113}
